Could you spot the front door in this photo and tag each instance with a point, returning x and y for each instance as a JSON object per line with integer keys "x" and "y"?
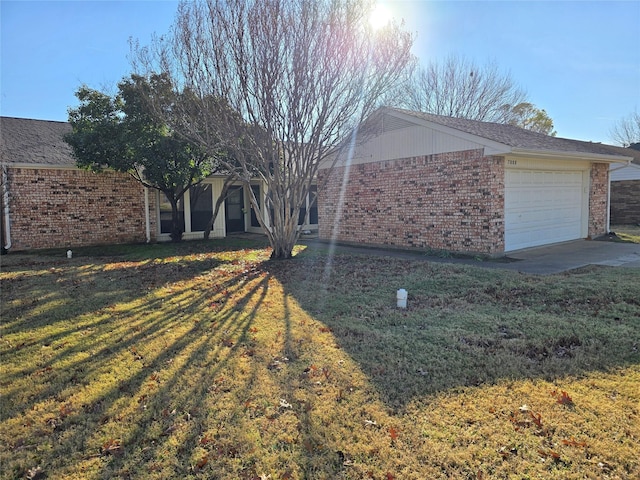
{"x": 233, "y": 209}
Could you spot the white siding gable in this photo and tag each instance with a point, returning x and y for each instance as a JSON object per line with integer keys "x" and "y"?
{"x": 629, "y": 172}
{"x": 400, "y": 138}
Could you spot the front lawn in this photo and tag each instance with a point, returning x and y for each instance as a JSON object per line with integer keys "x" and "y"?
{"x": 206, "y": 360}
{"x": 627, "y": 233}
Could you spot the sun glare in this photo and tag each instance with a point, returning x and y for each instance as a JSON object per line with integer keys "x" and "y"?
{"x": 380, "y": 17}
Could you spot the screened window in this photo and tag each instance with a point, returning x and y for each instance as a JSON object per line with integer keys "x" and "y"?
{"x": 165, "y": 213}
{"x": 313, "y": 210}
{"x": 201, "y": 206}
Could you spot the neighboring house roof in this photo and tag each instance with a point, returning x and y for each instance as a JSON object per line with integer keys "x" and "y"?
{"x": 25, "y": 141}
{"x": 518, "y": 139}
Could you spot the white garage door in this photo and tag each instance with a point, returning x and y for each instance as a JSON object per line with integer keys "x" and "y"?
{"x": 542, "y": 207}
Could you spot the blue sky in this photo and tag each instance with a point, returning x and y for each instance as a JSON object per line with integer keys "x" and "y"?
{"x": 580, "y": 60}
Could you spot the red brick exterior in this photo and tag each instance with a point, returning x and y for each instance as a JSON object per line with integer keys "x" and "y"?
{"x": 452, "y": 201}
{"x": 625, "y": 202}
{"x": 63, "y": 208}
{"x": 599, "y": 186}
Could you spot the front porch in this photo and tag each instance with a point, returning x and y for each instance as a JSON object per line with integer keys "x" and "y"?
{"x": 235, "y": 216}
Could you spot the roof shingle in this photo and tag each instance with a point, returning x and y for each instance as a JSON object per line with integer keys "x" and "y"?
{"x": 517, "y": 137}
{"x": 34, "y": 142}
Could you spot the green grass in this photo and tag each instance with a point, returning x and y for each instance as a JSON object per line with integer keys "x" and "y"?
{"x": 206, "y": 360}
{"x": 627, "y": 233}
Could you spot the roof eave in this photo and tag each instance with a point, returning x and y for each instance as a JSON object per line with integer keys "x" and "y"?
{"x": 592, "y": 157}
{"x": 41, "y": 166}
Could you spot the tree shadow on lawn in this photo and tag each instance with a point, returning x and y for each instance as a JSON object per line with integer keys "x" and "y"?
{"x": 189, "y": 373}
{"x": 106, "y": 361}
{"x": 186, "y": 368}
{"x": 467, "y": 326}
{"x": 130, "y": 398}
{"x": 179, "y": 379}
{"x": 76, "y": 299}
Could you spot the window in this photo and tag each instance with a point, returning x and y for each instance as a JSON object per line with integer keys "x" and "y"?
{"x": 165, "y": 213}
{"x": 313, "y": 211}
{"x": 201, "y": 206}
{"x": 196, "y": 207}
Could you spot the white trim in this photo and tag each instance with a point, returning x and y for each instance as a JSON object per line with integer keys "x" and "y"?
{"x": 6, "y": 212}
{"x": 263, "y": 198}
{"x": 561, "y": 155}
{"x": 147, "y": 218}
{"x": 186, "y": 210}
{"x": 586, "y": 202}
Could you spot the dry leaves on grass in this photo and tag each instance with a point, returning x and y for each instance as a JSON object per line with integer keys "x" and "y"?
{"x": 562, "y": 397}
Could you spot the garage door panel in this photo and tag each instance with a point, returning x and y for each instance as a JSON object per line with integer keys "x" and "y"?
{"x": 542, "y": 207}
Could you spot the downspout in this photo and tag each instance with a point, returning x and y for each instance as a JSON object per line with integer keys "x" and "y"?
{"x": 147, "y": 220}
{"x": 5, "y": 201}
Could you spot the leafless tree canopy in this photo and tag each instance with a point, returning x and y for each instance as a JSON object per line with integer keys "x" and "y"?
{"x": 297, "y": 76}
{"x": 626, "y": 131}
{"x": 458, "y": 87}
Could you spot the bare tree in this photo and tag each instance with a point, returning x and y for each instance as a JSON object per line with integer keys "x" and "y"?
{"x": 458, "y": 87}
{"x": 298, "y": 76}
{"x": 626, "y": 131}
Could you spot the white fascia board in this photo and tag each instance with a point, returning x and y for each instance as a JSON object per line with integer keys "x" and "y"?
{"x": 562, "y": 155}
{"x": 491, "y": 147}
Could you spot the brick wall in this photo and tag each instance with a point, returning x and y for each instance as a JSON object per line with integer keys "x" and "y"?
{"x": 625, "y": 202}
{"x": 452, "y": 201}
{"x": 599, "y": 187}
{"x": 60, "y": 208}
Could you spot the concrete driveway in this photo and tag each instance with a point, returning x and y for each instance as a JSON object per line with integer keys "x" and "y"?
{"x": 561, "y": 257}
{"x": 546, "y": 260}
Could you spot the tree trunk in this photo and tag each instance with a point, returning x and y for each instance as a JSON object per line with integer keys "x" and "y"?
{"x": 176, "y": 228}
{"x": 282, "y": 249}
{"x": 285, "y": 233}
